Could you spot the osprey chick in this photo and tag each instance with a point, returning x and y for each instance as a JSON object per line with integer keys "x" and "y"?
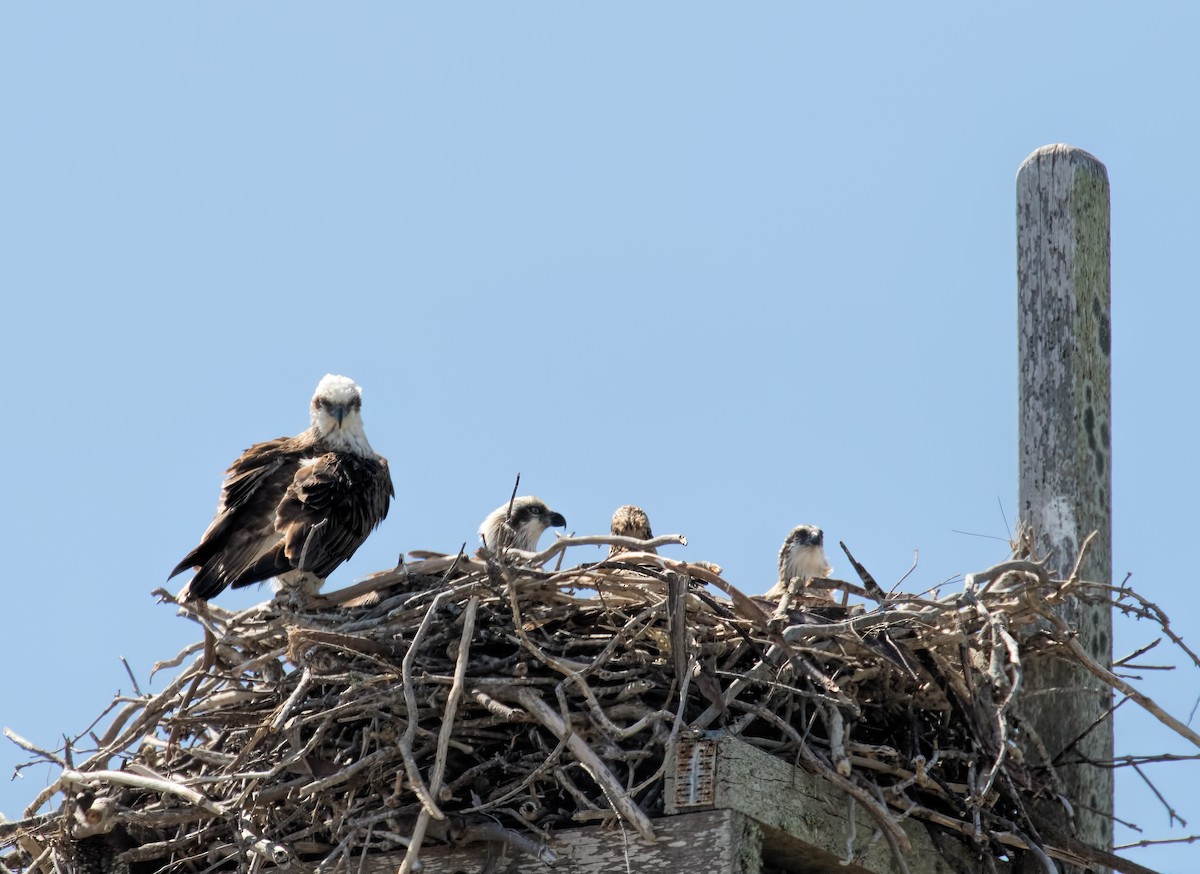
{"x": 630, "y": 521}
{"x": 802, "y": 557}
{"x": 520, "y": 530}
{"x": 295, "y": 508}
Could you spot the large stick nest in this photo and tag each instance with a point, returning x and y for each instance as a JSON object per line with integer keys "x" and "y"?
{"x": 490, "y": 699}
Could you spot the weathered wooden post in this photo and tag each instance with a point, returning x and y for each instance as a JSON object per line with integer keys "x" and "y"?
{"x": 1065, "y": 447}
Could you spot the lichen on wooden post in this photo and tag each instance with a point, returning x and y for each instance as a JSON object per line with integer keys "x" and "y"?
{"x": 1065, "y": 448}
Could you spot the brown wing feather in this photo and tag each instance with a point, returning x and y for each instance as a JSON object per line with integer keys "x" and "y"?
{"x": 244, "y": 525}
{"x": 330, "y": 508}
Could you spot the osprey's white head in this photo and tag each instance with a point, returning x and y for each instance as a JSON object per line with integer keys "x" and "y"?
{"x": 521, "y": 529}
{"x": 803, "y": 554}
{"x": 337, "y": 415}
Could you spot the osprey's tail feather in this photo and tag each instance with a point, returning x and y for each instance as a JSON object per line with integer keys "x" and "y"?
{"x": 272, "y": 564}
{"x": 215, "y": 575}
{"x": 206, "y": 584}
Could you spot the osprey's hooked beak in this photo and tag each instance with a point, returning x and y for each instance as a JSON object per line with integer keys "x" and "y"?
{"x": 339, "y": 413}
{"x": 557, "y": 520}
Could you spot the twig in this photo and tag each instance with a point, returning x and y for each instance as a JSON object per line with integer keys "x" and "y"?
{"x": 874, "y": 590}
{"x": 410, "y": 702}
{"x": 132, "y": 679}
{"x": 439, "y": 764}
{"x": 31, "y": 747}
{"x": 540, "y": 558}
{"x": 1190, "y": 839}
{"x": 1111, "y": 679}
{"x": 976, "y": 585}
{"x": 1171, "y": 814}
{"x": 153, "y": 784}
{"x": 591, "y": 762}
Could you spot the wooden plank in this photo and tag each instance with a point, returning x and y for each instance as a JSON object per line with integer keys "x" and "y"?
{"x": 805, "y": 822}
{"x": 710, "y": 842}
{"x": 1065, "y": 452}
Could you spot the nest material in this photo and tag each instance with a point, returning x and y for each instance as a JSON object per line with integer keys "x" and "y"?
{"x": 485, "y": 699}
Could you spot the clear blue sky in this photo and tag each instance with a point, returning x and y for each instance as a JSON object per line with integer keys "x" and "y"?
{"x": 746, "y": 265}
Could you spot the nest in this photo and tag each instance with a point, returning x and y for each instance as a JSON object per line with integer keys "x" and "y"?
{"x": 458, "y": 699}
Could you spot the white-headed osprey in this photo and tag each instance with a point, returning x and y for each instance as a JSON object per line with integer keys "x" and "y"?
{"x": 521, "y": 529}
{"x": 802, "y": 557}
{"x": 295, "y": 508}
{"x": 630, "y": 521}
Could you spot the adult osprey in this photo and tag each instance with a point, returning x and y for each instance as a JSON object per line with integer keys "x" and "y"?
{"x": 295, "y": 508}
{"x": 802, "y": 557}
{"x": 630, "y": 521}
{"x": 520, "y": 528}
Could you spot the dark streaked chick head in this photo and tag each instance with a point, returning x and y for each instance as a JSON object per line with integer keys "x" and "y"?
{"x": 529, "y": 518}
{"x": 803, "y": 554}
{"x": 630, "y": 521}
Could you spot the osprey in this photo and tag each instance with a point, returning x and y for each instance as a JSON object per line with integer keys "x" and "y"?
{"x": 521, "y": 528}
{"x": 295, "y": 508}
{"x": 802, "y": 557}
{"x": 630, "y": 521}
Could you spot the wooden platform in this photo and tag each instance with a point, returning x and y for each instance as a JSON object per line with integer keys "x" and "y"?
{"x": 731, "y": 809}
